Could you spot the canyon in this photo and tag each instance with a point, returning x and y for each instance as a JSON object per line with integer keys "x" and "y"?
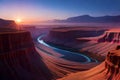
{"x": 23, "y": 56}
{"x": 19, "y": 59}
{"x": 107, "y": 70}
{"x": 92, "y": 41}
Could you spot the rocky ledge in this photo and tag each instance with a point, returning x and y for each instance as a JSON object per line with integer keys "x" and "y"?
{"x": 112, "y": 36}
{"x": 112, "y": 64}
{"x": 108, "y": 70}
{"x": 6, "y": 25}
{"x": 19, "y": 59}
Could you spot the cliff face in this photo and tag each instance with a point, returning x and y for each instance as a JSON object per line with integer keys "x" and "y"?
{"x": 68, "y": 36}
{"x": 101, "y": 45}
{"x": 111, "y": 36}
{"x": 112, "y": 65}
{"x": 108, "y": 70}
{"x": 19, "y": 59}
{"x": 9, "y": 24}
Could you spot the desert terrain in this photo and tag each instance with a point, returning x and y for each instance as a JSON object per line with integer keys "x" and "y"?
{"x": 75, "y": 53}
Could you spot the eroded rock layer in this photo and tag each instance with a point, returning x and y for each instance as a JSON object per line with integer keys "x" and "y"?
{"x": 111, "y": 36}
{"x": 108, "y": 70}
{"x": 67, "y": 36}
{"x": 101, "y": 45}
{"x": 7, "y": 24}
{"x": 112, "y": 65}
{"x": 19, "y": 59}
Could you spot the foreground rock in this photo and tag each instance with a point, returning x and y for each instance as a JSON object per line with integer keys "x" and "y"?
{"x": 19, "y": 59}
{"x": 108, "y": 70}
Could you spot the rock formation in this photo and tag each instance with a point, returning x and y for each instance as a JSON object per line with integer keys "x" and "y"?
{"x": 102, "y": 44}
{"x": 7, "y": 24}
{"x": 111, "y": 36}
{"x": 108, "y": 70}
{"x": 19, "y": 59}
{"x": 67, "y": 36}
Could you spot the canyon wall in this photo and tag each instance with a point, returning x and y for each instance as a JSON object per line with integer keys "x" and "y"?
{"x": 68, "y": 37}
{"x": 19, "y": 59}
{"x": 112, "y": 65}
{"x": 108, "y": 70}
{"x": 111, "y": 36}
{"x": 102, "y": 44}
{"x": 7, "y": 24}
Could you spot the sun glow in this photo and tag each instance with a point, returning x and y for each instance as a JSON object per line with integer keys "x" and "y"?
{"x": 18, "y": 20}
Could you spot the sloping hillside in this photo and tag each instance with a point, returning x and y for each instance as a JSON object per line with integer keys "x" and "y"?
{"x": 108, "y": 70}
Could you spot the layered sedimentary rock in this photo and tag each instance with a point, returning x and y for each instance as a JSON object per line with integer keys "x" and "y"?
{"x": 108, "y": 70}
{"x": 67, "y": 36}
{"x": 58, "y": 65}
{"x": 111, "y": 36}
{"x": 112, "y": 65}
{"x": 7, "y": 24}
{"x": 102, "y": 44}
{"x": 70, "y": 38}
{"x": 19, "y": 59}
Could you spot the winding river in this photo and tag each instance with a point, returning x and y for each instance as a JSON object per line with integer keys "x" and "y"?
{"x": 68, "y": 55}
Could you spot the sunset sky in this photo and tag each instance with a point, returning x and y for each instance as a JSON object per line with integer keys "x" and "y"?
{"x": 40, "y": 10}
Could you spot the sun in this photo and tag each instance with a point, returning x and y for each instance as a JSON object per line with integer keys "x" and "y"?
{"x": 18, "y": 20}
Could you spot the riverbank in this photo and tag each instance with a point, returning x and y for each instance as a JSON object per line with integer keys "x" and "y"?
{"x": 93, "y": 56}
{"x": 69, "y": 54}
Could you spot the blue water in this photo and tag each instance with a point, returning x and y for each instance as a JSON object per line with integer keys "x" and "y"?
{"x": 68, "y": 55}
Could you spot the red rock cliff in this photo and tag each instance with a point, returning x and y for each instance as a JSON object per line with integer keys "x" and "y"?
{"x": 9, "y": 24}
{"x": 19, "y": 59}
{"x": 108, "y": 70}
{"x": 111, "y": 36}
{"x": 112, "y": 65}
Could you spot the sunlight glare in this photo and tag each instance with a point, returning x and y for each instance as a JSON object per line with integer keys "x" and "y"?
{"x": 18, "y": 20}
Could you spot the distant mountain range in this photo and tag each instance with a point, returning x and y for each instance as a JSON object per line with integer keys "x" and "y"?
{"x": 89, "y": 19}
